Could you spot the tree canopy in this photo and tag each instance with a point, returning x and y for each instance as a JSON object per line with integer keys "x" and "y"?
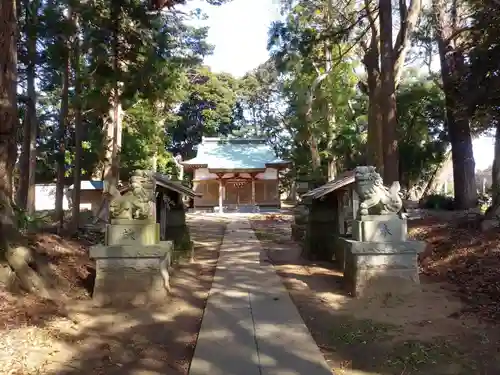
{"x": 97, "y": 89}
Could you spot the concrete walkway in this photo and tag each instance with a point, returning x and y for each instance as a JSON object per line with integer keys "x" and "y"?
{"x": 250, "y": 325}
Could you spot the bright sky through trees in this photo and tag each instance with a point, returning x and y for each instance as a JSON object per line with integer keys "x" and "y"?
{"x": 239, "y": 32}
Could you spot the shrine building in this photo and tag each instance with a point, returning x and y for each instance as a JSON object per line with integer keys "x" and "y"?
{"x": 235, "y": 173}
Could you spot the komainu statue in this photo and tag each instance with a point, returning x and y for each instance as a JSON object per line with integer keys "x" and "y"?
{"x": 137, "y": 203}
{"x": 375, "y": 198}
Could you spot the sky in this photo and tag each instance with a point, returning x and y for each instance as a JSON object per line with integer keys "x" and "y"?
{"x": 239, "y": 30}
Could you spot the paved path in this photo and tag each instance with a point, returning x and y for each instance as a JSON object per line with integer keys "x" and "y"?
{"x": 250, "y": 325}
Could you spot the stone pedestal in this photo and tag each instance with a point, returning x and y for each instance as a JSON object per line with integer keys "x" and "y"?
{"x": 380, "y": 228}
{"x": 132, "y": 266}
{"x": 379, "y": 258}
{"x": 339, "y": 252}
{"x": 132, "y": 232}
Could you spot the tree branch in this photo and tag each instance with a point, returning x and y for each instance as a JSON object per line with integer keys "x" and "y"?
{"x": 408, "y": 24}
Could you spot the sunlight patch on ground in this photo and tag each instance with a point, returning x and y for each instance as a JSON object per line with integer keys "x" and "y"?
{"x": 355, "y": 372}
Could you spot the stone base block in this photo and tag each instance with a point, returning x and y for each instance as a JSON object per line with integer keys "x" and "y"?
{"x": 132, "y": 232}
{"x": 380, "y": 228}
{"x": 117, "y": 252}
{"x": 339, "y": 254}
{"x": 374, "y": 267}
{"x": 379, "y": 282}
{"x": 135, "y": 275}
{"x": 129, "y": 286}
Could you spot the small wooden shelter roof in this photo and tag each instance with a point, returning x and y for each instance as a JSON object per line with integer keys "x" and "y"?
{"x": 167, "y": 183}
{"x": 343, "y": 179}
{"x": 176, "y": 186}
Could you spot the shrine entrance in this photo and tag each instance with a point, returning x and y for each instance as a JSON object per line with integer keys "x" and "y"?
{"x": 238, "y": 192}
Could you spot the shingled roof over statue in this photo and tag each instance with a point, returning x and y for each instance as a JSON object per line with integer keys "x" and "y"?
{"x": 234, "y": 153}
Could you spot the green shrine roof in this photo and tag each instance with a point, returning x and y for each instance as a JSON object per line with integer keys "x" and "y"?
{"x": 234, "y": 153}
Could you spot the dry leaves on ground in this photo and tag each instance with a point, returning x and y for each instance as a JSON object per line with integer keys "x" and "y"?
{"x": 72, "y": 269}
{"x": 467, "y": 258}
{"x": 37, "y": 338}
{"x": 457, "y": 252}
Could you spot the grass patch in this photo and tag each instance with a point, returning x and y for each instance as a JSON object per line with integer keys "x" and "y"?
{"x": 350, "y": 331}
{"x": 416, "y": 354}
{"x": 373, "y": 346}
{"x": 270, "y": 235}
{"x": 263, "y": 235}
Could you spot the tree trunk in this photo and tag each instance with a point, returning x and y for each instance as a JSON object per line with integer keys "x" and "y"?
{"x": 311, "y": 139}
{"x": 492, "y": 215}
{"x": 332, "y": 168}
{"x": 430, "y": 186}
{"x": 8, "y": 114}
{"x": 372, "y": 66}
{"x": 408, "y": 18}
{"x": 63, "y": 125}
{"x": 457, "y": 121}
{"x": 24, "y": 267}
{"x": 154, "y": 162}
{"x": 26, "y": 192}
{"x": 315, "y": 156}
{"x": 388, "y": 96}
{"x": 375, "y": 150}
{"x": 77, "y": 172}
{"x": 113, "y": 139}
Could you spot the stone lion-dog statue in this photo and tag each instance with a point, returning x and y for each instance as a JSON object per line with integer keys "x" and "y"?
{"x": 137, "y": 202}
{"x": 375, "y": 198}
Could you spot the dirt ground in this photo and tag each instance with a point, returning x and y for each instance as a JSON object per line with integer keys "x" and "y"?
{"x": 35, "y": 339}
{"x": 432, "y": 330}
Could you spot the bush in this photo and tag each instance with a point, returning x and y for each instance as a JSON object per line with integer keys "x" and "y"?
{"x": 437, "y": 202}
{"x": 484, "y": 201}
{"x": 26, "y": 222}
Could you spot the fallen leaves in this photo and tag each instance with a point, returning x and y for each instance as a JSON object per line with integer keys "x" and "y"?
{"x": 467, "y": 258}
{"x": 68, "y": 260}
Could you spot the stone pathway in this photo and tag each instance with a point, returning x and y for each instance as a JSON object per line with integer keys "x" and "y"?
{"x": 250, "y": 325}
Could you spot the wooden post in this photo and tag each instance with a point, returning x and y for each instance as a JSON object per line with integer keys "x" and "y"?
{"x": 253, "y": 190}
{"x": 341, "y": 214}
{"x": 163, "y": 217}
{"x": 278, "y": 198}
{"x": 221, "y": 195}
{"x": 355, "y": 203}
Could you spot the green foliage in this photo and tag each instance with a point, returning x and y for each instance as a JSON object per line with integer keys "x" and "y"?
{"x": 155, "y": 52}
{"x": 484, "y": 201}
{"x": 27, "y": 222}
{"x": 144, "y": 139}
{"x": 170, "y": 100}
{"x": 484, "y": 79}
{"x": 209, "y": 109}
{"x": 438, "y": 202}
{"x": 307, "y": 57}
{"x": 423, "y": 139}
